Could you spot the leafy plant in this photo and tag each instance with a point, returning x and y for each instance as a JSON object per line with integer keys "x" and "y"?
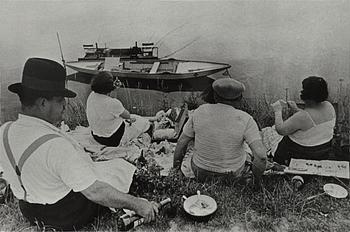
{"x": 75, "y": 114}
{"x": 193, "y": 100}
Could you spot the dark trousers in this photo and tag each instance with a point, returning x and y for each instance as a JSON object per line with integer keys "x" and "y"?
{"x": 72, "y": 212}
{"x": 288, "y": 149}
{"x": 113, "y": 140}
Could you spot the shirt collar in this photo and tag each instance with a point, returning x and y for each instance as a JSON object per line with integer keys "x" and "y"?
{"x": 37, "y": 122}
{"x": 225, "y": 105}
{"x": 34, "y": 121}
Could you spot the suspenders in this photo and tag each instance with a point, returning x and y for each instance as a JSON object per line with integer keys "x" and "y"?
{"x": 26, "y": 154}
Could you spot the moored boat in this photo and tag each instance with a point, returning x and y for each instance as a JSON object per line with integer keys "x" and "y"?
{"x": 142, "y": 63}
{"x": 170, "y": 69}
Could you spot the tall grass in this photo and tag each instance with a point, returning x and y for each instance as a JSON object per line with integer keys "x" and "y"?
{"x": 75, "y": 114}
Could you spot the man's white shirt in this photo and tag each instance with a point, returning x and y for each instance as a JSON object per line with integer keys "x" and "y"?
{"x": 53, "y": 170}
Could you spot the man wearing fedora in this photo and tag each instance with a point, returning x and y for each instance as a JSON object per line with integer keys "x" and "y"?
{"x": 219, "y": 131}
{"x": 53, "y": 180}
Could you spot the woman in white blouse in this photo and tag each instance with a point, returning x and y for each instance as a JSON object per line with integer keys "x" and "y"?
{"x": 105, "y": 114}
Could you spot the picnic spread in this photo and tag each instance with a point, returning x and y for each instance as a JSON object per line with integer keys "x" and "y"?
{"x": 157, "y": 148}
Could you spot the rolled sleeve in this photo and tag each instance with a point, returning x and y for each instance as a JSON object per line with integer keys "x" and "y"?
{"x": 116, "y": 107}
{"x": 188, "y": 128}
{"x": 251, "y": 132}
{"x": 75, "y": 169}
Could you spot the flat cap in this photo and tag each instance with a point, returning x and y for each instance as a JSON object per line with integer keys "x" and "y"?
{"x": 228, "y": 88}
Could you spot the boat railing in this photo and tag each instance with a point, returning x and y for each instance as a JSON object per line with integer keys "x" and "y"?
{"x": 149, "y": 50}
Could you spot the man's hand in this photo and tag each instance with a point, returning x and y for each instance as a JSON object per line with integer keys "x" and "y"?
{"x": 146, "y": 209}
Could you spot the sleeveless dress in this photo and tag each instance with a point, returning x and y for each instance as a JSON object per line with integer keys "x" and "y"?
{"x": 314, "y": 143}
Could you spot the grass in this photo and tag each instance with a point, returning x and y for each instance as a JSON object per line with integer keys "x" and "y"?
{"x": 274, "y": 206}
{"x": 75, "y": 114}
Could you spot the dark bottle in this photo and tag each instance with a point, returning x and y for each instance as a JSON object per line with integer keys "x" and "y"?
{"x": 127, "y": 222}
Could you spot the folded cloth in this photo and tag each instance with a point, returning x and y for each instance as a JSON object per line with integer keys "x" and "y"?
{"x": 270, "y": 138}
{"x": 116, "y": 172}
{"x": 82, "y": 135}
{"x": 186, "y": 167}
{"x": 130, "y": 153}
{"x": 135, "y": 129}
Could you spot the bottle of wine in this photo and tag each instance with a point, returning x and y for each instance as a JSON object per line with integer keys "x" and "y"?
{"x": 127, "y": 221}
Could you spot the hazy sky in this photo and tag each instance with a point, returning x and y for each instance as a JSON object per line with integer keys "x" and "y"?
{"x": 260, "y": 39}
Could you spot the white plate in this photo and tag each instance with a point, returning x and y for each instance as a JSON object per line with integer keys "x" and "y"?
{"x": 335, "y": 190}
{"x": 200, "y": 205}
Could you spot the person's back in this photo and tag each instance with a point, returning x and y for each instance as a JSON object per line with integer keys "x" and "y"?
{"x": 319, "y": 122}
{"x": 220, "y": 130}
{"x": 43, "y": 185}
{"x": 322, "y": 113}
{"x": 103, "y": 114}
{"x": 307, "y": 133}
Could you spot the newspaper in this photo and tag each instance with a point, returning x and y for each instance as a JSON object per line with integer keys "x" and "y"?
{"x": 319, "y": 167}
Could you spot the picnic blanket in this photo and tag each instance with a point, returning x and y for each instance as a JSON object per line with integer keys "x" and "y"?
{"x": 110, "y": 163}
{"x": 116, "y": 172}
{"x": 160, "y": 152}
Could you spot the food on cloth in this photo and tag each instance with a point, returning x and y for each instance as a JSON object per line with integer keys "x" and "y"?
{"x": 164, "y": 124}
{"x": 162, "y": 134}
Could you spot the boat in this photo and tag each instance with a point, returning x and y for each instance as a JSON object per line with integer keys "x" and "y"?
{"x": 142, "y": 64}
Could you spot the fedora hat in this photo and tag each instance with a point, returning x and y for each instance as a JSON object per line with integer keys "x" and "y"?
{"x": 43, "y": 76}
{"x": 228, "y": 88}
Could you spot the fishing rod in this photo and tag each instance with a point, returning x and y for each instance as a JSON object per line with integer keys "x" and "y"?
{"x": 59, "y": 43}
{"x": 168, "y": 33}
{"x": 63, "y": 61}
{"x": 188, "y": 44}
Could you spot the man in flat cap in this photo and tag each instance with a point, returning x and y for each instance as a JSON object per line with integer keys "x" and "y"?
{"x": 219, "y": 131}
{"x": 54, "y": 182}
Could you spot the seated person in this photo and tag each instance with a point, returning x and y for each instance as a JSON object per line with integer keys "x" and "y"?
{"x": 53, "y": 179}
{"x": 106, "y": 115}
{"x": 218, "y": 131}
{"x": 307, "y": 134}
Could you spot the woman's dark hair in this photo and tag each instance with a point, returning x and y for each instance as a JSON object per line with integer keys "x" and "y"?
{"x": 315, "y": 89}
{"x": 103, "y": 83}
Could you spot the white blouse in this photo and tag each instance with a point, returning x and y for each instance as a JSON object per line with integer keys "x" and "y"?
{"x": 103, "y": 114}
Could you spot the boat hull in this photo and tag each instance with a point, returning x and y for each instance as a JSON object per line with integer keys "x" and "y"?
{"x": 164, "y": 85}
{"x": 191, "y": 69}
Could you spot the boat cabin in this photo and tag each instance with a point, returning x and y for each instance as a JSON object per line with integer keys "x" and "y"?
{"x": 146, "y": 51}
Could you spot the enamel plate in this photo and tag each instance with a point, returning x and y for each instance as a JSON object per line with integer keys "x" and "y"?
{"x": 335, "y": 190}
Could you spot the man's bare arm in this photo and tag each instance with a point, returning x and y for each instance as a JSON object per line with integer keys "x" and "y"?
{"x": 259, "y": 162}
{"x": 180, "y": 150}
{"x": 104, "y": 194}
